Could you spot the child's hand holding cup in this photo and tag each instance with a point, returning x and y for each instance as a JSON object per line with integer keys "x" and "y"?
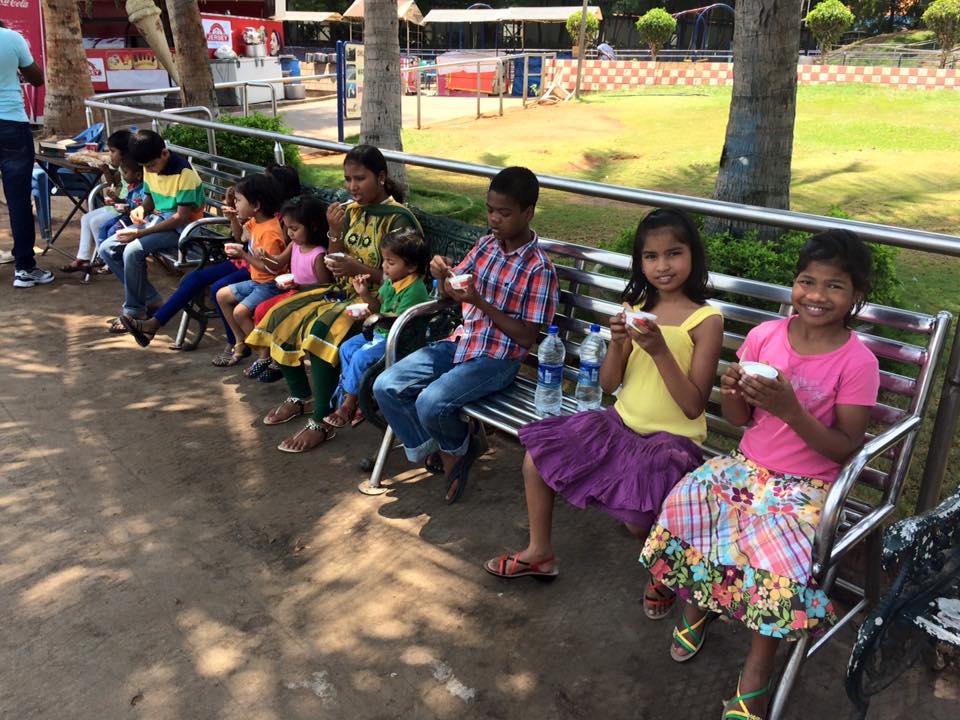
{"x": 137, "y": 215}
{"x": 233, "y": 249}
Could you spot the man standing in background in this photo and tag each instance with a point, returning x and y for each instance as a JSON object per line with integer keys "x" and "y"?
{"x": 16, "y": 156}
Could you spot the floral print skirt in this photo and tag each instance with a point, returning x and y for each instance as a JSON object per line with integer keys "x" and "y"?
{"x": 736, "y": 538}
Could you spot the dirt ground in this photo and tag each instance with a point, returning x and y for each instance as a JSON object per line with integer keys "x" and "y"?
{"x": 161, "y": 560}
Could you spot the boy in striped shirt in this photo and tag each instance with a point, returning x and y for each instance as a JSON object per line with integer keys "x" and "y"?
{"x": 511, "y": 295}
{"x": 174, "y": 192}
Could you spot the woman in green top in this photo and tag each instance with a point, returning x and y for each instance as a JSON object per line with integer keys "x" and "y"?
{"x": 313, "y": 324}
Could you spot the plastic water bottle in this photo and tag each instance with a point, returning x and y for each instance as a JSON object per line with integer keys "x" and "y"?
{"x": 592, "y": 351}
{"x": 549, "y": 396}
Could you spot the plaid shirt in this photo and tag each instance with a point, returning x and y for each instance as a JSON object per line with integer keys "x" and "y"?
{"x": 521, "y": 284}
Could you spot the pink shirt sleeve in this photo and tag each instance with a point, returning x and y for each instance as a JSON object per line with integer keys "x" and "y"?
{"x": 860, "y": 380}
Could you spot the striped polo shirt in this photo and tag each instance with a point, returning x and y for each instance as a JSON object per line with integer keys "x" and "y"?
{"x": 177, "y": 184}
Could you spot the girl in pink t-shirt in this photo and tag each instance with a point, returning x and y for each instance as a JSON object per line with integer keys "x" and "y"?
{"x": 735, "y": 536}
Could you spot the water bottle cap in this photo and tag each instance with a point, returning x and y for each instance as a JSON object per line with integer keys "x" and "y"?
{"x": 553, "y": 330}
{"x": 595, "y": 328}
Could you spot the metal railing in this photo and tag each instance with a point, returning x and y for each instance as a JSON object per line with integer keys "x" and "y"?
{"x": 921, "y": 240}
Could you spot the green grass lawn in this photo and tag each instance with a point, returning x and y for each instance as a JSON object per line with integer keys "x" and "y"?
{"x": 879, "y": 154}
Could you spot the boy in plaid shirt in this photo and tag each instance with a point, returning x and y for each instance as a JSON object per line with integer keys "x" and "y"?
{"x": 511, "y": 295}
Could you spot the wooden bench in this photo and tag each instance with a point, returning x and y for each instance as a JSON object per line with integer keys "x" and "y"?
{"x": 907, "y": 343}
{"x": 921, "y": 608}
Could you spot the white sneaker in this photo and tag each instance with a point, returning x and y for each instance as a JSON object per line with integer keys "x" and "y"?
{"x": 6, "y": 257}
{"x": 29, "y": 278}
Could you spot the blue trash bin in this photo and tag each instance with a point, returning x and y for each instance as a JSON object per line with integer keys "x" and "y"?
{"x": 534, "y": 68}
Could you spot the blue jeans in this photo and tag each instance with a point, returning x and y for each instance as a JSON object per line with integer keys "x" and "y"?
{"x": 128, "y": 261}
{"x": 16, "y": 167}
{"x": 251, "y": 293}
{"x": 357, "y": 355}
{"x": 194, "y": 283}
{"x": 421, "y": 397}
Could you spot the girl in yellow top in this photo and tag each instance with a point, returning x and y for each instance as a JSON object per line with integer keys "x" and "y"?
{"x": 625, "y": 459}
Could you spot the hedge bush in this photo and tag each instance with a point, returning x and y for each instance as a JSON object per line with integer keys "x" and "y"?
{"x": 238, "y": 147}
{"x": 655, "y": 29}
{"x": 828, "y": 21}
{"x": 943, "y": 17}
{"x": 592, "y": 29}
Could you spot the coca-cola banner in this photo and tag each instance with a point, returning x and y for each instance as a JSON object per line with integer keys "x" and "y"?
{"x": 26, "y": 17}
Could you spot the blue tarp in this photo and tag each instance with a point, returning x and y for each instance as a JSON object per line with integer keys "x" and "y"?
{"x": 533, "y": 75}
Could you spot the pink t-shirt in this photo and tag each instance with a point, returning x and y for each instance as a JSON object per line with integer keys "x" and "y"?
{"x": 850, "y": 375}
{"x": 301, "y": 264}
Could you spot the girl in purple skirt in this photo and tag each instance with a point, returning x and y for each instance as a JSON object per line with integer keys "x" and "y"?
{"x": 625, "y": 459}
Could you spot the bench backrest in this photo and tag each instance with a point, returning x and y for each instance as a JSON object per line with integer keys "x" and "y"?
{"x": 217, "y": 173}
{"x": 591, "y": 283}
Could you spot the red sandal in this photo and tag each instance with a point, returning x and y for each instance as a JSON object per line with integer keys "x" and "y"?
{"x": 657, "y": 603}
{"x": 511, "y": 566}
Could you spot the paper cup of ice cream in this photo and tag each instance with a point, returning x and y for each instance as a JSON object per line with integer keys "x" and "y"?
{"x": 460, "y": 282}
{"x": 357, "y": 310}
{"x": 758, "y": 369}
{"x": 635, "y": 318}
{"x": 233, "y": 248}
{"x": 285, "y": 281}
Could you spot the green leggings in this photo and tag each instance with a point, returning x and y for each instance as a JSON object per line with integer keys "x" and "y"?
{"x": 325, "y": 379}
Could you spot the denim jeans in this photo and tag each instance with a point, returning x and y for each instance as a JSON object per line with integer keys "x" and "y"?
{"x": 421, "y": 397}
{"x": 194, "y": 283}
{"x": 16, "y": 167}
{"x": 357, "y": 355}
{"x": 128, "y": 261}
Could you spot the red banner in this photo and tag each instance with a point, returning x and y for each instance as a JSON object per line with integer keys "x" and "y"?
{"x": 26, "y": 17}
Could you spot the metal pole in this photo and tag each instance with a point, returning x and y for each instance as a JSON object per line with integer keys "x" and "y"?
{"x": 526, "y": 77}
{"x": 582, "y": 48}
{"x": 419, "y": 74}
{"x": 478, "y": 90}
{"x": 106, "y": 123}
{"x": 88, "y": 112}
{"x": 278, "y": 153}
{"x": 944, "y": 428}
{"x": 501, "y": 81}
{"x": 246, "y": 105}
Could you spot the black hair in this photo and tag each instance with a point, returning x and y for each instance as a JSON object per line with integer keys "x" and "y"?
{"x": 639, "y": 289}
{"x": 312, "y": 214}
{"x": 146, "y": 146}
{"x": 260, "y": 190}
{"x": 120, "y": 140}
{"x": 408, "y": 245}
{"x": 287, "y": 180}
{"x": 849, "y": 254}
{"x": 374, "y": 161}
{"x": 129, "y": 162}
{"x": 517, "y": 183}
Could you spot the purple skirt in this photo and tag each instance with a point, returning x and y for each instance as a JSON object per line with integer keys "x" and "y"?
{"x": 593, "y": 459}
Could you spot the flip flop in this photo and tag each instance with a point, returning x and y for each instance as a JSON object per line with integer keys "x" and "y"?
{"x": 357, "y": 418}
{"x": 509, "y": 566}
{"x": 657, "y": 604}
{"x": 134, "y": 326}
{"x": 336, "y": 420}
{"x": 328, "y": 434}
{"x": 301, "y": 404}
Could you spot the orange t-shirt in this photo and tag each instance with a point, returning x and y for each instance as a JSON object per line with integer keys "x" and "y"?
{"x": 266, "y": 236}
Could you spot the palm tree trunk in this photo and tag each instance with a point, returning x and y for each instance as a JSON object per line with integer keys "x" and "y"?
{"x": 68, "y": 81}
{"x": 193, "y": 62}
{"x": 758, "y": 148}
{"x": 380, "y": 110}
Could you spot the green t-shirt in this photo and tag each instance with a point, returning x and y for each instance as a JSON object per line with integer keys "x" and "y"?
{"x": 394, "y": 301}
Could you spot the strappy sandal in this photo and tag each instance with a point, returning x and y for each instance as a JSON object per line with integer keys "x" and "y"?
{"x": 336, "y": 420}
{"x": 134, "y": 326}
{"x": 271, "y": 374}
{"x": 301, "y": 409}
{"x": 117, "y": 327}
{"x": 77, "y": 265}
{"x": 312, "y": 425}
{"x": 688, "y": 638}
{"x": 257, "y": 368}
{"x": 658, "y": 600}
{"x": 357, "y": 418}
{"x": 510, "y": 566}
{"x": 741, "y": 712}
{"x": 433, "y": 464}
{"x": 232, "y": 358}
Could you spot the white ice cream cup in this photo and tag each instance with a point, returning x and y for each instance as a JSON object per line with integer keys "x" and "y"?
{"x": 460, "y": 282}
{"x": 637, "y": 317}
{"x": 357, "y": 310}
{"x": 284, "y": 281}
{"x": 758, "y": 369}
{"x": 233, "y": 248}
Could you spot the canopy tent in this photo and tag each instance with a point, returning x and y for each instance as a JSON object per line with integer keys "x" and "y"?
{"x": 280, "y": 12}
{"x": 407, "y": 11}
{"x": 512, "y": 14}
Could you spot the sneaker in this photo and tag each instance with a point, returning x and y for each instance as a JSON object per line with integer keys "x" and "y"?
{"x": 29, "y": 278}
{"x": 6, "y": 257}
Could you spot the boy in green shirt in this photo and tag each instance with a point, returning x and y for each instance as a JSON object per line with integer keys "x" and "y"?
{"x": 405, "y": 257}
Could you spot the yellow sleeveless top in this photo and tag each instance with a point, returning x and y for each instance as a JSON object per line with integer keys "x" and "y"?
{"x": 645, "y": 404}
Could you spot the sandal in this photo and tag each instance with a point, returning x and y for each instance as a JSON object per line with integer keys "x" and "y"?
{"x": 433, "y": 464}
{"x": 511, "y": 566}
{"x": 357, "y": 418}
{"x": 742, "y": 713}
{"x": 77, "y": 265}
{"x": 134, "y": 326}
{"x": 459, "y": 473}
{"x": 232, "y": 358}
{"x": 117, "y": 327}
{"x": 257, "y": 369}
{"x": 336, "y": 420}
{"x": 688, "y": 638}
{"x": 301, "y": 409}
{"x": 271, "y": 374}
{"x": 658, "y": 600}
{"x": 312, "y": 425}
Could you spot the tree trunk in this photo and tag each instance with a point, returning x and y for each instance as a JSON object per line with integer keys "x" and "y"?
{"x": 380, "y": 110}
{"x": 758, "y": 148}
{"x": 68, "y": 81}
{"x": 193, "y": 62}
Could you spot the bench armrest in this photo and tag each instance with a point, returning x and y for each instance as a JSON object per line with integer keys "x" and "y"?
{"x": 186, "y": 235}
{"x": 431, "y": 307}
{"x": 826, "y": 550}
{"x": 922, "y": 538}
{"x": 93, "y": 199}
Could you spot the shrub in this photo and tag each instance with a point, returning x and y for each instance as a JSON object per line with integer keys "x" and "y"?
{"x": 943, "y": 17}
{"x": 592, "y": 30}
{"x": 655, "y": 29}
{"x": 828, "y": 21}
{"x": 256, "y": 151}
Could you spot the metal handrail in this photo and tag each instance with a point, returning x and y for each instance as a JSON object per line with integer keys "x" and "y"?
{"x": 211, "y": 135}
{"x": 259, "y": 83}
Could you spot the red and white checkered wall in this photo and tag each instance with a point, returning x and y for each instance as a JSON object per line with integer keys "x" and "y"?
{"x": 606, "y": 75}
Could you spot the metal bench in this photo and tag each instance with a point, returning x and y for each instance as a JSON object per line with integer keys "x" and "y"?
{"x": 921, "y": 608}
{"x": 907, "y": 343}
